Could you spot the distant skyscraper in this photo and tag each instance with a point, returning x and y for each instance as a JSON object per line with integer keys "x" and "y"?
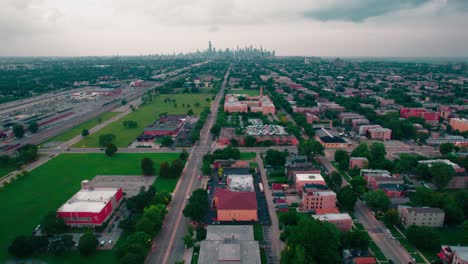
{"x": 210, "y": 47}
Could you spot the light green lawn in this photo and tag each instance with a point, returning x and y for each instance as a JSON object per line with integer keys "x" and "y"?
{"x": 247, "y": 155}
{"x": 69, "y": 134}
{"x": 144, "y": 116}
{"x": 26, "y": 200}
{"x": 247, "y": 92}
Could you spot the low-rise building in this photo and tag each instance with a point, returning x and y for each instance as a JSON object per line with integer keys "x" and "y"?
{"x": 460, "y": 124}
{"x": 453, "y": 254}
{"x": 330, "y": 139}
{"x": 421, "y": 216}
{"x": 358, "y": 162}
{"x": 301, "y": 179}
{"x": 341, "y": 220}
{"x": 229, "y": 243}
{"x": 317, "y": 197}
{"x": 235, "y": 206}
{"x": 90, "y": 206}
{"x": 240, "y": 183}
{"x": 380, "y": 133}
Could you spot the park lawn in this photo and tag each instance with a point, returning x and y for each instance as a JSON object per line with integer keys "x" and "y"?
{"x": 247, "y": 155}
{"x": 73, "y": 132}
{"x": 46, "y": 188}
{"x": 146, "y": 115}
{"x": 101, "y": 256}
{"x": 5, "y": 171}
{"x": 247, "y": 92}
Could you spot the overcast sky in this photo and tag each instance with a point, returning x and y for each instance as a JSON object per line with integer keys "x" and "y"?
{"x": 392, "y": 28}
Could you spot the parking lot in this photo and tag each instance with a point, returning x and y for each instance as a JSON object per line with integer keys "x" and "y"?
{"x": 131, "y": 185}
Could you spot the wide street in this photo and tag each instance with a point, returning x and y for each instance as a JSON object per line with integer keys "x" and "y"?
{"x": 168, "y": 246}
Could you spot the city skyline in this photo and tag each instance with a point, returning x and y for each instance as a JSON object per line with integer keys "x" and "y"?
{"x": 404, "y": 28}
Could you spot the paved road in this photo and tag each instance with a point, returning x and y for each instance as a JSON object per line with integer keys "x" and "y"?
{"x": 276, "y": 245}
{"x": 168, "y": 246}
{"x": 376, "y": 231}
{"x": 375, "y": 228}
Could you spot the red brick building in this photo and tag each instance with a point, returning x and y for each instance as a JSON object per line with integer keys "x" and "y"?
{"x": 235, "y": 206}
{"x": 429, "y": 116}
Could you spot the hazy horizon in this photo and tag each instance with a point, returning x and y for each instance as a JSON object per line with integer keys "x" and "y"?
{"x": 332, "y": 28}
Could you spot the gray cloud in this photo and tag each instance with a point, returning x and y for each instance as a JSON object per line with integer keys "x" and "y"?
{"x": 358, "y": 11}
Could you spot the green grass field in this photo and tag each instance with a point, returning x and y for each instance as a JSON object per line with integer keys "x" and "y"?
{"x": 146, "y": 115}
{"x": 46, "y": 188}
{"x": 101, "y": 256}
{"x": 247, "y": 92}
{"x": 247, "y": 155}
{"x": 5, "y": 171}
{"x": 69, "y": 134}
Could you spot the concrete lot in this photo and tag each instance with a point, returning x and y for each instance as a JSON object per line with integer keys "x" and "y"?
{"x": 130, "y": 185}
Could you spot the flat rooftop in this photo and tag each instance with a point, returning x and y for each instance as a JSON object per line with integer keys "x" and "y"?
{"x": 325, "y": 217}
{"x": 309, "y": 177}
{"x": 89, "y": 200}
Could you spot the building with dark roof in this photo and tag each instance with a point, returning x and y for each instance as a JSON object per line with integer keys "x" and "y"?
{"x": 235, "y": 206}
{"x": 330, "y": 139}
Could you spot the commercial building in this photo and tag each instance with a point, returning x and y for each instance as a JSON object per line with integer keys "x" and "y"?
{"x": 453, "y": 254}
{"x": 243, "y": 103}
{"x": 342, "y": 220}
{"x": 229, "y": 244}
{"x": 456, "y": 140}
{"x": 358, "y": 162}
{"x": 427, "y": 115}
{"x": 460, "y": 124}
{"x": 168, "y": 125}
{"x": 380, "y": 133}
{"x": 228, "y": 133}
{"x": 235, "y": 206}
{"x": 301, "y": 179}
{"x": 90, "y": 207}
{"x": 421, "y": 216}
{"x": 317, "y": 197}
{"x": 330, "y": 139}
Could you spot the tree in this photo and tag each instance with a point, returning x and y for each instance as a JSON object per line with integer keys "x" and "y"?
{"x": 26, "y": 154}
{"x": 311, "y": 148}
{"x": 197, "y": 205}
{"x": 147, "y": 166}
{"x": 106, "y": 139}
{"x": 454, "y": 214}
{"x": 177, "y": 166}
{"x": 422, "y": 172}
{"x": 305, "y": 242}
{"x": 33, "y": 127}
{"x": 249, "y": 141}
{"x": 441, "y": 174}
{"x": 275, "y": 157}
{"x": 446, "y": 148}
{"x": 340, "y": 155}
{"x": 289, "y": 218}
{"x": 377, "y": 200}
{"x": 355, "y": 240}
{"x": 144, "y": 224}
{"x": 27, "y": 246}
{"x": 165, "y": 170}
{"x": 130, "y": 124}
{"x": 18, "y": 131}
{"x": 88, "y": 244}
{"x": 361, "y": 151}
{"x": 347, "y": 198}
{"x": 51, "y": 224}
{"x": 61, "y": 245}
{"x": 336, "y": 180}
{"x": 111, "y": 149}
{"x": 190, "y": 112}
{"x": 166, "y": 141}
{"x": 124, "y": 102}
{"x": 423, "y": 237}
{"x": 377, "y": 151}
{"x": 85, "y": 133}
{"x": 188, "y": 241}
{"x": 234, "y": 142}
{"x": 184, "y": 155}
{"x": 359, "y": 184}
{"x": 200, "y": 233}
{"x": 391, "y": 218}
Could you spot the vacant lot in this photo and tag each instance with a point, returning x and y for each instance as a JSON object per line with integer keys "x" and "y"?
{"x": 69, "y": 134}
{"x": 28, "y": 199}
{"x": 146, "y": 115}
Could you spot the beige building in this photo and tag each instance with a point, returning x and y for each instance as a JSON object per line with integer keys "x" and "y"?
{"x": 421, "y": 216}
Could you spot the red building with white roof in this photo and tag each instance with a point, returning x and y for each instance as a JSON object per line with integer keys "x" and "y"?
{"x": 90, "y": 206}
